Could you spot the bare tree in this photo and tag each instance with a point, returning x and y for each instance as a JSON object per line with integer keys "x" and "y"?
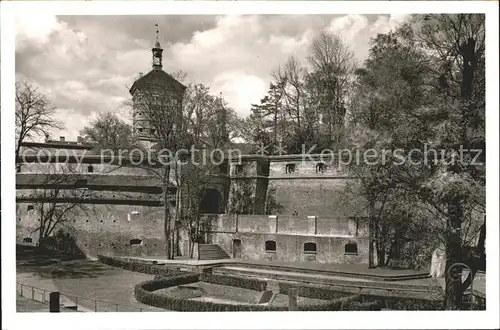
{"x": 333, "y": 65}
{"x": 53, "y": 204}
{"x": 34, "y": 114}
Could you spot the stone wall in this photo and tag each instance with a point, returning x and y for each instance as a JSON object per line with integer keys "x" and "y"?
{"x": 124, "y": 230}
{"x": 291, "y": 247}
{"x": 103, "y": 229}
{"x": 301, "y": 185}
{"x": 290, "y": 233}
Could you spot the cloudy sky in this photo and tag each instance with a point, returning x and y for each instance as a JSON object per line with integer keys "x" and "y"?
{"x": 85, "y": 64}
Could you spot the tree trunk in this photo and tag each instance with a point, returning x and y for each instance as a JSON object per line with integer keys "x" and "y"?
{"x": 453, "y": 278}
{"x": 454, "y": 286}
{"x": 371, "y": 230}
{"x": 166, "y": 213}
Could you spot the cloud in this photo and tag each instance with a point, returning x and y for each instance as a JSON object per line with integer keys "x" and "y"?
{"x": 357, "y": 30}
{"x": 87, "y": 63}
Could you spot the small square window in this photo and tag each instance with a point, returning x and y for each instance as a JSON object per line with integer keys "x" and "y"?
{"x": 270, "y": 246}
{"x": 290, "y": 168}
{"x": 310, "y": 247}
{"x": 30, "y": 207}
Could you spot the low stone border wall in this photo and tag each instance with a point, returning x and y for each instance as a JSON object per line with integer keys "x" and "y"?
{"x": 240, "y": 282}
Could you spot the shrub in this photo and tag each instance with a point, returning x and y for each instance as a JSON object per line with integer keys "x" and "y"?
{"x": 356, "y": 305}
{"x": 140, "y": 267}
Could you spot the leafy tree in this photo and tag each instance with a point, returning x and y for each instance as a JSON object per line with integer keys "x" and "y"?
{"x": 421, "y": 94}
{"x": 108, "y": 131}
{"x": 207, "y": 128}
{"x": 266, "y": 117}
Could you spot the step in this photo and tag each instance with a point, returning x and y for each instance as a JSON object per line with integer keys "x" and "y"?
{"x": 213, "y": 258}
{"x": 321, "y": 279}
{"x": 214, "y": 254}
{"x": 211, "y": 252}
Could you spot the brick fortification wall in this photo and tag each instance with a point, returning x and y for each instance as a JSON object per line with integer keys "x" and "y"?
{"x": 125, "y": 218}
{"x": 301, "y": 185}
{"x": 103, "y": 229}
{"x": 310, "y": 190}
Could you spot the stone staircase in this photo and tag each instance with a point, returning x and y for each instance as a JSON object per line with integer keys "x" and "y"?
{"x": 272, "y": 289}
{"x": 211, "y": 252}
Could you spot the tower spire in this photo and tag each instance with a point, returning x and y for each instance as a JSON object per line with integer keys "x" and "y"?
{"x": 157, "y": 51}
{"x": 157, "y": 33}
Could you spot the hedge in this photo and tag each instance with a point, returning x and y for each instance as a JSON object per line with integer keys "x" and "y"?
{"x": 140, "y": 267}
{"x": 369, "y": 299}
{"x": 403, "y": 303}
{"x": 310, "y": 291}
{"x": 144, "y": 293}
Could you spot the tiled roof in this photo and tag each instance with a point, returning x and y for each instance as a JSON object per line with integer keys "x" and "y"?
{"x": 157, "y": 76}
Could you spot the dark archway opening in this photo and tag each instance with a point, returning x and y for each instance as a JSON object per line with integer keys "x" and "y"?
{"x": 211, "y": 202}
{"x": 236, "y": 248}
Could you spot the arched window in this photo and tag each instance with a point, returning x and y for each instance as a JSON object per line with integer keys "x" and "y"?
{"x": 90, "y": 169}
{"x": 351, "y": 248}
{"x": 271, "y": 246}
{"x": 135, "y": 241}
{"x": 310, "y": 247}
